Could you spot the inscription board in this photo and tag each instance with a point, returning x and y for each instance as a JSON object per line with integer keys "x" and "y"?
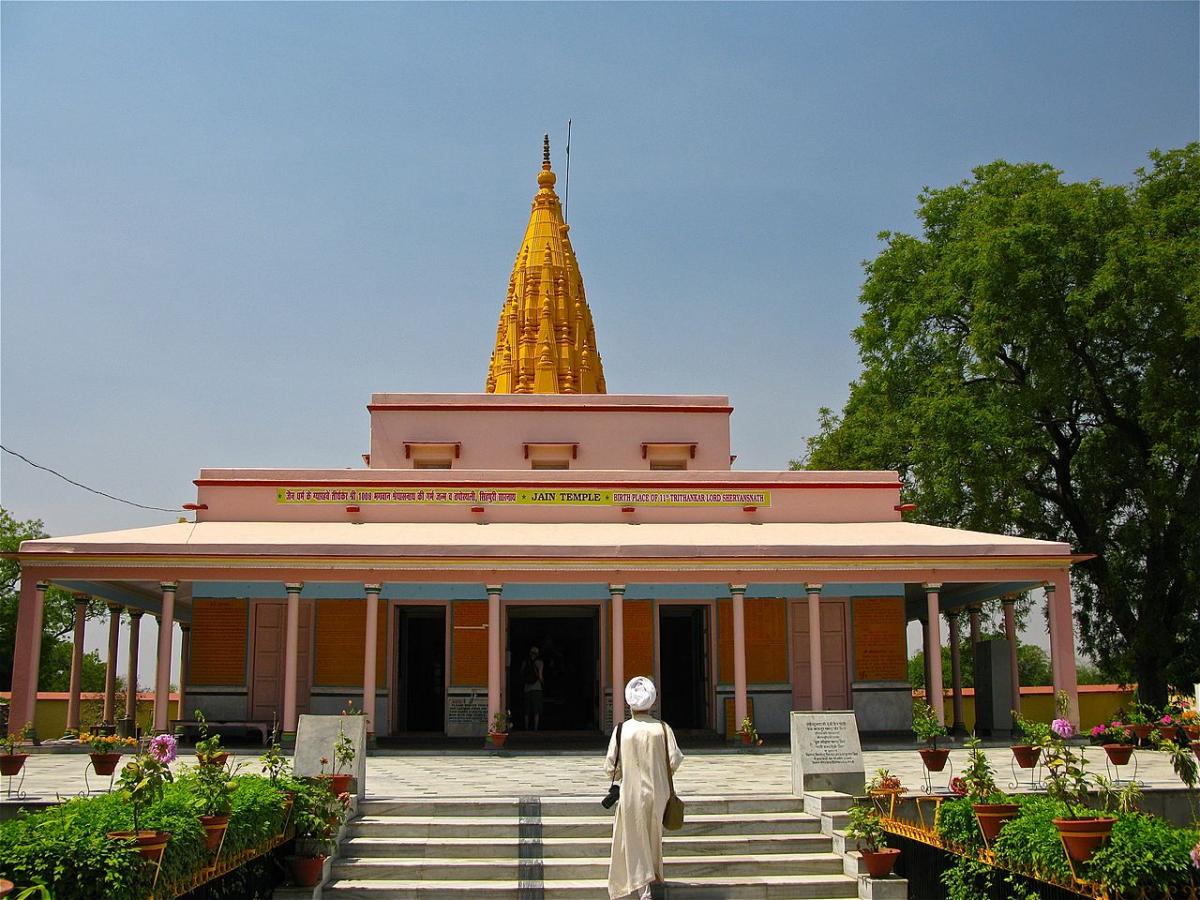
{"x": 466, "y": 714}
{"x": 315, "y": 739}
{"x": 879, "y": 639}
{"x": 505, "y": 495}
{"x": 826, "y": 753}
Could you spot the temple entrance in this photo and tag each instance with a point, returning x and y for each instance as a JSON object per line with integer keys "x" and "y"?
{"x": 567, "y": 639}
{"x": 421, "y": 668}
{"x": 683, "y": 663}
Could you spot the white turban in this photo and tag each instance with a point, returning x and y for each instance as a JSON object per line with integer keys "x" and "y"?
{"x": 640, "y": 693}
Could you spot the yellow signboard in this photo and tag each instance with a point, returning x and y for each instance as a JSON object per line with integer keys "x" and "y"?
{"x": 540, "y": 496}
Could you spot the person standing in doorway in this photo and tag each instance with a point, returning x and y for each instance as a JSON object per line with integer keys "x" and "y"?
{"x": 533, "y": 679}
{"x": 639, "y": 752}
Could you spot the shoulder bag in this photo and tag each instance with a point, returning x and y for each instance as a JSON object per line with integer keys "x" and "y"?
{"x": 673, "y": 814}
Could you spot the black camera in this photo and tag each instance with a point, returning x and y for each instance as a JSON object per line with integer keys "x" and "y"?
{"x": 614, "y": 794}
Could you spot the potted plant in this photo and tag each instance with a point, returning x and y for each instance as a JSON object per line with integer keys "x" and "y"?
{"x": 343, "y": 758}
{"x": 866, "y": 830}
{"x": 1117, "y": 740}
{"x": 208, "y": 749}
{"x": 1033, "y": 735}
{"x": 501, "y": 725}
{"x": 214, "y": 790}
{"x": 314, "y": 835}
{"x": 10, "y": 760}
{"x": 1084, "y": 829}
{"x": 928, "y": 729}
{"x": 749, "y": 734}
{"x": 1189, "y": 721}
{"x": 142, "y": 782}
{"x": 883, "y": 789}
{"x": 1137, "y": 717}
{"x": 275, "y": 766}
{"x": 106, "y": 750}
{"x": 991, "y": 805}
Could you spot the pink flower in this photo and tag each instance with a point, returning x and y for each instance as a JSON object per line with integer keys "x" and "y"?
{"x": 1063, "y": 728}
{"x": 1165, "y": 720}
{"x": 1097, "y": 731}
{"x": 163, "y": 749}
{"x": 1196, "y": 855}
{"x": 1117, "y": 725}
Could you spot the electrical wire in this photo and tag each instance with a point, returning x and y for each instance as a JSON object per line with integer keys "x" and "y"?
{"x": 84, "y": 486}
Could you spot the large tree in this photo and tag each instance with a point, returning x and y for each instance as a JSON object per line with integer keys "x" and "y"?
{"x": 58, "y": 618}
{"x": 1031, "y": 365}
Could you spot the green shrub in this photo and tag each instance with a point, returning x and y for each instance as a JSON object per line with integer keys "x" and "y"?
{"x": 1030, "y": 842}
{"x": 257, "y": 813}
{"x": 1144, "y": 852}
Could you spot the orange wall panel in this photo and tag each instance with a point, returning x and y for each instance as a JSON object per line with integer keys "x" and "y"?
{"x": 766, "y": 640}
{"x": 341, "y": 633}
{"x": 639, "y": 638}
{"x": 880, "y": 639}
{"x": 218, "y": 642}
{"x": 470, "y": 655}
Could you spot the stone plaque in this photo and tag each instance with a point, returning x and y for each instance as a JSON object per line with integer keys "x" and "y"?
{"x": 315, "y": 737}
{"x": 826, "y": 754}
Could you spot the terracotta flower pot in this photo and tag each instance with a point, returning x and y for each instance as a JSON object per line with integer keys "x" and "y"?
{"x": 1196, "y": 748}
{"x": 880, "y": 862}
{"x": 150, "y": 844}
{"x": 1118, "y": 754}
{"x": 1192, "y": 731}
{"x": 214, "y": 828}
{"x": 1142, "y": 731}
{"x": 747, "y": 738}
{"x": 498, "y": 738}
{"x": 339, "y": 784}
{"x": 992, "y": 816}
{"x": 10, "y": 763}
{"x": 307, "y": 870}
{"x": 105, "y": 763}
{"x": 216, "y": 759}
{"x": 1026, "y": 755}
{"x": 1083, "y": 837}
{"x": 6, "y": 887}
{"x": 935, "y": 760}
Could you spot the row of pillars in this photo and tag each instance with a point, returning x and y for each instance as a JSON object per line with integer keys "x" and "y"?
{"x": 29, "y": 658}
{"x": 1062, "y": 649}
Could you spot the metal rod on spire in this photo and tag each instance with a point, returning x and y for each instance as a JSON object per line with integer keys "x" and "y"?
{"x": 567, "y": 178}
{"x": 546, "y": 151}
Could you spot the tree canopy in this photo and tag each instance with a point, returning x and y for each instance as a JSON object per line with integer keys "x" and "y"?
{"x": 1031, "y": 365}
{"x": 58, "y": 618}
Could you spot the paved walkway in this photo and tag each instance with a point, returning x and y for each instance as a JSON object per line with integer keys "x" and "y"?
{"x": 479, "y": 774}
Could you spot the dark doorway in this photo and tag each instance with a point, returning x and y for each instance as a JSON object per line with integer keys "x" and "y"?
{"x": 683, "y": 662}
{"x": 421, "y": 672}
{"x": 568, "y": 642}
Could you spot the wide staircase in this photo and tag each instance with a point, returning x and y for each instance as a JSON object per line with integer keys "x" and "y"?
{"x": 558, "y": 847}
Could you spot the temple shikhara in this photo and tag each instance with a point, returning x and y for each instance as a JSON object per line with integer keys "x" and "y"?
{"x": 607, "y": 530}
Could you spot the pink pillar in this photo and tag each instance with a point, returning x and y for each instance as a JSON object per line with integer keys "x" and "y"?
{"x": 76, "y": 682}
{"x": 976, "y": 613}
{"x": 371, "y": 638}
{"x": 185, "y": 667}
{"x": 110, "y": 664}
{"x": 1062, "y": 642}
{"x": 291, "y": 657}
{"x": 934, "y": 643}
{"x": 815, "y": 667}
{"x": 960, "y": 726}
{"x": 131, "y": 676}
{"x": 162, "y": 676}
{"x": 495, "y": 669}
{"x": 27, "y": 654}
{"x": 617, "y": 594}
{"x": 740, "y": 706}
{"x": 1010, "y": 632}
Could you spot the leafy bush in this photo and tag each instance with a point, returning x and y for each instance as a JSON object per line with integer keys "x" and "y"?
{"x": 1144, "y": 851}
{"x": 67, "y": 846}
{"x": 1030, "y": 842}
{"x": 967, "y": 878}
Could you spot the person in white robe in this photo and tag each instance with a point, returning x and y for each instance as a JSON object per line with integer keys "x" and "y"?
{"x": 646, "y": 744}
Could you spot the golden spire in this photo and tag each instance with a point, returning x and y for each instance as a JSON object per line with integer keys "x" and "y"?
{"x": 545, "y": 341}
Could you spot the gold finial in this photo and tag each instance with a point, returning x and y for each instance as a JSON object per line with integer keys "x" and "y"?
{"x": 546, "y": 152}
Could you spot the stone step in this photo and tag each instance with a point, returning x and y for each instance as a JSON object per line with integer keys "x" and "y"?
{"x": 760, "y": 887}
{"x": 575, "y": 826}
{"x": 508, "y": 848}
{"x": 582, "y": 868}
{"x": 570, "y": 806}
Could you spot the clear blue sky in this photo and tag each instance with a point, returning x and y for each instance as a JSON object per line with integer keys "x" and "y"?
{"x": 225, "y": 225}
